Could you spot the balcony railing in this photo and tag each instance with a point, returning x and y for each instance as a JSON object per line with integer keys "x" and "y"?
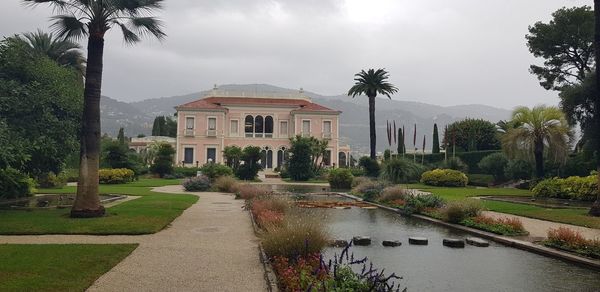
{"x": 189, "y": 132}
{"x": 306, "y": 134}
{"x": 211, "y": 133}
{"x": 327, "y": 136}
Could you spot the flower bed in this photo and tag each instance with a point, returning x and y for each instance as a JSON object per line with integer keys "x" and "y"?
{"x": 572, "y": 241}
{"x": 293, "y": 241}
{"x": 502, "y": 226}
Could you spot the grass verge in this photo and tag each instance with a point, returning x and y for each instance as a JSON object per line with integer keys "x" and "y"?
{"x": 148, "y": 214}
{"x": 51, "y": 267}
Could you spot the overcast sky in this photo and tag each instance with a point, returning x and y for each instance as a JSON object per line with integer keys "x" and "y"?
{"x": 437, "y": 51}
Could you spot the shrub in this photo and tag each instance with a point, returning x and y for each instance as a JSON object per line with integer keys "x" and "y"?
{"x": 227, "y": 184}
{"x": 340, "y": 178}
{"x": 269, "y": 218}
{"x": 357, "y": 171}
{"x": 71, "y": 174}
{"x": 116, "y": 176}
{"x": 249, "y": 169}
{"x": 456, "y": 212}
{"x": 359, "y": 180}
{"x": 369, "y": 190}
{"x": 494, "y": 165}
{"x": 269, "y": 202}
{"x": 400, "y": 170}
{"x": 420, "y": 203}
{"x": 455, "y": 164}
{"x": 215, "y": 170}
{"x": 574, "y": 187}
{"x": 182, "y": 172}
{"x": 393, "y": 193}
{"x": 14, "y": 184}
{"x": 444, "y": 177}
{"x": 518, "y": 170}
{"x": 197, "y": 184}
{"x": 370, "y": 166}
{"x": 503, "y": 226}
{"x": 249, "y": 192}
{"x": 296, "y": 236}
{"x": 300, "y": 164}
{"x": 51, "y": 180}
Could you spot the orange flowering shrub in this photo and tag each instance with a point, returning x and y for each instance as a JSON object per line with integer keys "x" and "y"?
{"x": 504, "y": 226}
{"x": 568, "y": 239}
{"x": 268, "y": 217}
{"x": 299, "y": 275}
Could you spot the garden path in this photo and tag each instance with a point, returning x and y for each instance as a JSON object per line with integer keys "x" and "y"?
{"x": 210, "y": 247}
{"x": 539, "y": 228}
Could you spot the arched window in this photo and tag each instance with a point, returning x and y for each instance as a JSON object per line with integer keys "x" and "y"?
{"x": 268, "y": 127}
{"x": 259, "y": 126}
{"x": 249, "y": 126}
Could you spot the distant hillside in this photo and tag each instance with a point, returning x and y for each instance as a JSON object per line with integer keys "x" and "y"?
{"x": 353, "y": 121}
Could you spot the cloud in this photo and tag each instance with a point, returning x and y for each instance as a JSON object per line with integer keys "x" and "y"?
{"x": 437, "y": 51}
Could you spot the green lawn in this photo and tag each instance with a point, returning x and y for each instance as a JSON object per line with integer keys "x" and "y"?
{"x": 148, "y": 214}
{"x": 51, "y": 267}
{"x": 568, "y": 215}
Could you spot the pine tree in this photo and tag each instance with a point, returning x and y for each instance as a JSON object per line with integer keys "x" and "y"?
{"x": 401, "y": 148}
{"x": 121, "y": 136}
{"x": 436, "y": 140}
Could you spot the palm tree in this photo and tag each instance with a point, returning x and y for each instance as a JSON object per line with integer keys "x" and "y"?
{"x": 537, "y": 133}
{"x": 595, "y": 209}
{"x": 371, "y": 83}
{"x": 92, "y": 19}
{"x": 65, "y": 52}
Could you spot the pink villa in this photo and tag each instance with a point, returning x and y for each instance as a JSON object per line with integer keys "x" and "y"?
{"x": 267, "y": 120}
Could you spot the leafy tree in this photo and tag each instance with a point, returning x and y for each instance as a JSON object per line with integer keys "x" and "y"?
{"x": 65, "y": 52}
{"x": 539, "y": 132}
{"x": 566, "y": 44}
{"x": 472, "y": 135}
{"x": 317, "y": 151}
{"x": 163, "y": 163}
{"x": 436, "y": 140}
{"x": 518, "y": 169}
{"x": 251, "y": 157}
{"x": 300, "y": 164}
{"x": 164, "y": 126}
{"x": 371, "y": 83}
{"x": 114, "y": 155}
{"x": 93, "y": 18}
{"x": 121, "y": 136}
{"x": 387, "y": 154}
{"x": 401, "y": 146}
{"x": 233, "y": 156}
{"x": 494, "y": 164}
{"x": 40, "y": 106}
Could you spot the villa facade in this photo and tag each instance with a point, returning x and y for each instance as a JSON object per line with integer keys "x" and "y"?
{"x": 266, "y": 120}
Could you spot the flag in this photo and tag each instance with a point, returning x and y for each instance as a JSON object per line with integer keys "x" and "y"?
{"x": 424, "y": 143}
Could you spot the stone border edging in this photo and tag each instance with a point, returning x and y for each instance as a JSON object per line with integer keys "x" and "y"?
{"x": 520, "y": 244}
{"x": 270, "y": 277}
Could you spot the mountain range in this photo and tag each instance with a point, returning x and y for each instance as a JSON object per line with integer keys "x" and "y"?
{"x": 137, "y": 117}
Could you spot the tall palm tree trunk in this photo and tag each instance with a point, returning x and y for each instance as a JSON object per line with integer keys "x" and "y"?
{"x": 595, "y": 210}
{"x": 87, "y": 202}
{"x": 538, "y": 154}
{"x": 373, "y": 136}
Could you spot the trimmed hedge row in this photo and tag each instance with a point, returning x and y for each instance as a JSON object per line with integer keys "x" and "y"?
{"x": 444, "y": 177}
{"x": 116, "y": 176}
{"x": 573, "y": 188}
{"x": 470, "y": 158}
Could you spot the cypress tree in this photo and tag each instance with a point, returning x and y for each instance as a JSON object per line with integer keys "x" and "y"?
{"x": 156, "y": 127}
{"x": 401, "y": 149}
{"x": 436, "y": 140}
{"x": 121, "y": 136}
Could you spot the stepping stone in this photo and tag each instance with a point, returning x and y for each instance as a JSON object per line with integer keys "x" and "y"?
{"x": 338, "y": 243}
{"x": 392, "y": 243}
{"x": 361, "y": 240}
{"x": 453, "y": 242}
{"x": 477, "y": 242}
{"x": 418, "y": 240}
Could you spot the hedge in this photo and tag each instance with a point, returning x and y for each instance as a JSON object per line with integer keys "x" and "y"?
{"x": 116, "y": 176}
{"x": 470, "y": 158}
{"x": 444, "y": 177}
{"x": 572, "y": 188}
{"x": 340, "y": 178}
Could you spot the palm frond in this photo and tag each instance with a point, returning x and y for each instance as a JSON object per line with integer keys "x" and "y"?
{"x": 148, "y": 26}
{"x": 128, "y": 35}
{"x": 371, "y": 83}
{"x": 69, "y": 27}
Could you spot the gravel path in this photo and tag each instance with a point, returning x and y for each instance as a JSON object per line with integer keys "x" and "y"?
{"x": 210, "y": 247}
{"x": 538, "y": 229}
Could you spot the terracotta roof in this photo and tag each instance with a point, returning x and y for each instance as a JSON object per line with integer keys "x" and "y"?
{"x": 216, "y": 103}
